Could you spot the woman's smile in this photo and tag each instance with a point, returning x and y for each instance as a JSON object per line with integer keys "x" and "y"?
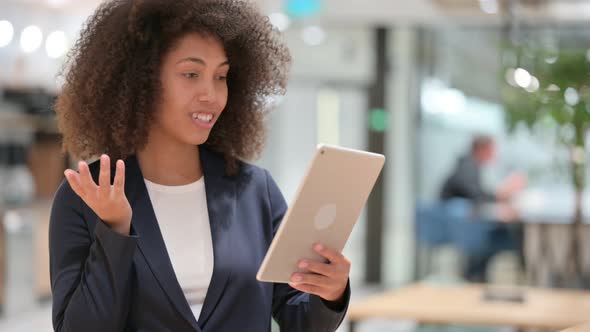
{"x": 203, "y": 119}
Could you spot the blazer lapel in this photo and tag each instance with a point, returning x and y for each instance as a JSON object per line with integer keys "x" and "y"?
{"x": 221, "y": 199}
{"x": 150, "y": 242}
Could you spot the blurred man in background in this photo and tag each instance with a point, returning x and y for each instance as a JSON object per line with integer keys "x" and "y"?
{"x": 465, "y": 182}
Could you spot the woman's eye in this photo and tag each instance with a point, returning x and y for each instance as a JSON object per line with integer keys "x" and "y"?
{"x": 190, "y": 75}
{"x": 222, "y": 78}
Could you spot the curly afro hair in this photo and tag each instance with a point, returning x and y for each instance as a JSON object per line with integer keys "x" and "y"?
{"x": 112, "y": 75}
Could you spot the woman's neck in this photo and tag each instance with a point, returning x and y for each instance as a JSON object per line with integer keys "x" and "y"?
{"x": 169, "y": 163}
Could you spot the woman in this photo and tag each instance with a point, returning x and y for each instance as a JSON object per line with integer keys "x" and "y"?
{"x": 170, "y": 236}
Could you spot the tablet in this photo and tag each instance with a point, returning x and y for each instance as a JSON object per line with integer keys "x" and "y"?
{"x": 326, "y": 207}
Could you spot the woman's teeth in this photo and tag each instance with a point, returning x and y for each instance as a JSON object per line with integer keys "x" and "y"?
{"x": 202, "y": 117}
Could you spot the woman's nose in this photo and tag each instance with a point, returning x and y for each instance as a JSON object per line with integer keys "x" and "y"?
{"x": 207, "y": 94}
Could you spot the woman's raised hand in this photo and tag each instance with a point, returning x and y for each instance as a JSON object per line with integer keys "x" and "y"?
{"x": 107, "y": 200}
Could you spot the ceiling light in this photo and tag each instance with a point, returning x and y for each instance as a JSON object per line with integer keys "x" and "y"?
{"x": 31, "y": 39}
{"x": 489, "y": 6}
{"x": 551, "y": 59}
{"x": 522, "y": 77}
{"x": 280, "y": 21}
{"x": 56, "y": 44}
{"x": 534, "y": 85}
{"x": 571, "y": 96}
{"x": 56, "y": 3}
{"x": 6, "y": 33}
{"x": 313, "y": 35}
{"x": 510, "y": 77}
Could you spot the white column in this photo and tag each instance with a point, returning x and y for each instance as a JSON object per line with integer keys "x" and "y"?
{"x": 399, "y": 254}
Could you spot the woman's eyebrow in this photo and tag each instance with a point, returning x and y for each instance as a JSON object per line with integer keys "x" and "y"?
{"x": 201, "y": 61}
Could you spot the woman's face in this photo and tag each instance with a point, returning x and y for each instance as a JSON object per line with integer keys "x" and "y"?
{"x": 194, "y": 89}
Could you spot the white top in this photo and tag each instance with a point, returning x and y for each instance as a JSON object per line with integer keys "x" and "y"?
{"x": 184, "y": 222}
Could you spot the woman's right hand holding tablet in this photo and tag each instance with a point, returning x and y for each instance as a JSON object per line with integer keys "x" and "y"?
{"x": 108, "y": 201}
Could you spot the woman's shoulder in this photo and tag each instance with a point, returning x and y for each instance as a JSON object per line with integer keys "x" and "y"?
{"x": 253, "y": 169}
{"x": 254, "y": 175}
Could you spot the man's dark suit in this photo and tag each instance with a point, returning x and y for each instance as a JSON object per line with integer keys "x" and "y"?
{"x": 465, "y": 182}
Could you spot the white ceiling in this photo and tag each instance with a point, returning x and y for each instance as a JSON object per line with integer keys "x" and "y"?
{"x": 388, "y": 12}
{"x": 61, "y": 5}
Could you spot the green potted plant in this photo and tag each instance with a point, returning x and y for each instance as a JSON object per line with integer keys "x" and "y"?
{"x": 552, "y": 88}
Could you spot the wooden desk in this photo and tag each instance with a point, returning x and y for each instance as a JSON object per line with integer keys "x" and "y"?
{"x": 464, "y": 305}
{"x": 580, "y": 328}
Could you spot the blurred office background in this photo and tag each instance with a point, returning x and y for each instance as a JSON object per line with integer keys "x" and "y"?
{"x": 415, "y": 80}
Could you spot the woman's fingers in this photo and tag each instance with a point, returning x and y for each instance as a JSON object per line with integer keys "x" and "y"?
{"x": 86, "y": 180}
{"x": 83, "y": 183}
{"x": 317, "y": 267}
{"x": 311, "y": 279}
{"x": 104, "y": 177}
{"x": 119, "y": 182}
{"x": 74, "y": 180}
{"x": 332, "y": 255}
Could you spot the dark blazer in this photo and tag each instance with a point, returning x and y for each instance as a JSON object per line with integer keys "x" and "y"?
{"x": 103, "y": 281}
{"x": 465, "y": 182}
